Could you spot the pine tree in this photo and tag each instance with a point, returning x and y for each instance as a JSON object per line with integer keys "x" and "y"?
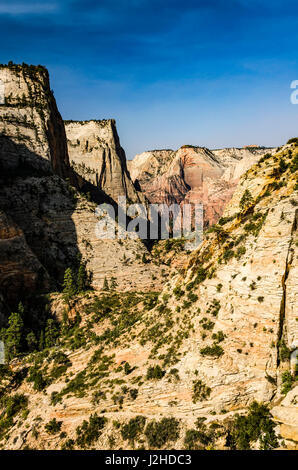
{"x": 51, "y": 333}
{"x": 82, "y": 279}
{"x": 13, "y": 335}
{"x": 21, "y": 309}
{"x": 105, "y": 284}
{"x": 246, "y": 199}
{"x": 113, "y": 284}
{"x": 31, "y": 341}
{"x": 65, "y": 324}
{"x": 69, "y": 288}
{"x": 41, "y": 341}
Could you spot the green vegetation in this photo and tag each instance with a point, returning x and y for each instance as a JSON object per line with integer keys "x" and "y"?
{"x": 105, "y": 286}
{"x": 89, "y": 431}
{"x": 76, "y": 281}
{"x": 202, "y": 437}
{"x": 13, "y": 335}
{"x": 214, "y": 308}
{"x": 201, "y": 275}
{"x": 133, "y": 428}
{"x": 228, "y": 254}
{"x": 25, "y": 68}
{"x": 11, "y": 406}
{"x": 214, "y": 351}
{"x": 225, "y": 220}
{"x": 241, "y": 250}
{"x": 218, "y": 337}
{"x": 189, "y": 146}
{"x": 293, "y": 140}
{"x": 159, "y": 433}
{"x": 178, "y": 292}
{"x": 221, "y": 234}
{"x": 52, "y": 333}
{"x": 155, "y": 372}
{"x": 207, "y": 324}
{"x": 195, "y": 440}
{"x": 246, "y": 200}
{"x": 192, "y": 297}
{"x": 37, "y": 378}
{"x": 127, "y": 368}
{"x": 257, "y": 426}
{"x": 294, "y": 164}
{"x": 176, "y": 244}
{"x": 200, "y": 391}
{"x": 284, "y": 352}
{"x": 287, "y": 382}
{"x": 30, "y": 328}
{"x": 53, "y": 426}
{"x": 69, "y": 287}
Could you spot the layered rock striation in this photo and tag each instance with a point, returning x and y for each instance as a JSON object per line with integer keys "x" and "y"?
{"x": 96, "y": 154}
{"x": 44, "y": 200}
{"x": 221, "y": 335}
{"x": 193, "y": 175}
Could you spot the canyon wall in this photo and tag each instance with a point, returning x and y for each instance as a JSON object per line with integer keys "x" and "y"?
{"x": 48, "y": 219}
{"x": 220, "y": 335}
{"x": 29, "y": 117}
{"x": 193, "y": 175}
{"x": 95, "y": 154}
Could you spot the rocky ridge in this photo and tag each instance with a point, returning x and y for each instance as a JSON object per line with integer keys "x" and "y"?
{"x": 48, "y": 210}
{"x": 181, "y": 366}
{"x": 95, "y": 153}
{"x": 193, "y": 175}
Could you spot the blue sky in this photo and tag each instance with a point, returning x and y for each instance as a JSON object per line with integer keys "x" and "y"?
{"x": 214, "y": 73}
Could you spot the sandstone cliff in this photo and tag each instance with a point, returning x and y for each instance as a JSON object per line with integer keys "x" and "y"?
{"x": 41, "y": 198}
{"x": 32, "y": 148}
{"x": 193, "y": 175}
{"x": 29, "y": 117}
{"x": 95, "y": 153}
{"x": 173, "y": 371}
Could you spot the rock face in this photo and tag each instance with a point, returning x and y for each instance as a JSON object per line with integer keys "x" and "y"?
{"x": 32, "y": 148}
{"x": 222, "y": 332}
{"x": 239, "y": 296}
{"x": 193, "y": 175}
{"x": 19, "y": 267}
{"x": 95, "y": 154}
{"x": 45, "y": 222}
{"x": 29, "y": 117}
{"x": 286, "y": 415}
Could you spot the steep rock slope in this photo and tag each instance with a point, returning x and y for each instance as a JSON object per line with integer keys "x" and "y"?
{"x": 193, "y": 175}
{"x": 95, "y": 153}
{"x": 39, "y": 199}
{"x": 29, "y": 117}
{"x": 220, "y": 336}
{"x": 32, "y": 146}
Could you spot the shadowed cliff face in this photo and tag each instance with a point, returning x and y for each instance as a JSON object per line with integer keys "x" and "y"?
{"x": 37, "y": 235}
{"x": 46, "y": 219}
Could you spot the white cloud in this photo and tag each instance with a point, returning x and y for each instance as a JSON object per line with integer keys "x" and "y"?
{"x": 27, "y": 8}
